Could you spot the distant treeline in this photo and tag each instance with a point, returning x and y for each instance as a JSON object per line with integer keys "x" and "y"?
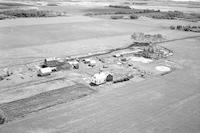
{"x": 119, "y": 6}
{"x": 186, "y": 28}
{"x": 23, "y": 13}
{"x": 166, "y": 15}
{"x": 132, "y": 16}
{"x": 12, "y": 4}
{"x": 154, "y": 14}
{"x": 151, "y": 13}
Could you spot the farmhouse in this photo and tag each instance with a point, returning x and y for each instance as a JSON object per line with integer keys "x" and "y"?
{"x": 101, "y": 78}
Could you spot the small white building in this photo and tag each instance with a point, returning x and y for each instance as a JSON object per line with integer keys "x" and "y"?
{"x": 73, "y": 62}
{"x": 117, "y": 55}
{"x": 92, "y": 63}
{"x": 46, "y": 71}
{"x": 86, "y": 60}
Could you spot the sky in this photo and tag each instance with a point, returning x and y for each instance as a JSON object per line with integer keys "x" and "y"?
{"x": 186, "y": 0}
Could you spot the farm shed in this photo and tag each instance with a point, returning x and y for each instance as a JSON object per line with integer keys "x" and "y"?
{"x": 45, "y": 71}
{"x": 53, "y": 62}
{"x": 101, "y": 78}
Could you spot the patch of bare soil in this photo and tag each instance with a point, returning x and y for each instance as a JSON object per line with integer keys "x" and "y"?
{"x": 23, "y": 107}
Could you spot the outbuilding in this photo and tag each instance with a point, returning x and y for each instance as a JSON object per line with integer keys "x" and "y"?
{"x": 74, "y": 64}
{"x": 101, "y": 78}
{"x": 53, "y": 62}
{"x": 92, "y": 63}
{"x": 45, "y": 71}
{"x": 86, "y": 60}
{"x": 117, "y": 55}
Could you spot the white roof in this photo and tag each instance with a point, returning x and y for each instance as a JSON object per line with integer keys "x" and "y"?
{"x": 54, "y": 58}
{"x": 101, "y": 75}
{"x": 50, "y": 59}
{"x": 140, "y": 59}
{"x": 163, "y": 68}
{"x": 92, "y": 61}
{"x": 73, "y": 62}
{"x": 87, "y": 60}
{"x": 100, "y": 78}
{"x": 45, "y": 70}
{"x": 117, "y": 55}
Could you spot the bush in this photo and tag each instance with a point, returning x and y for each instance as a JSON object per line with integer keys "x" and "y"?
{"x": 172, "y": 27}
{"x": 124, "y": 78}
{"x": 133, "y": 16}
{"x": 117, "y": 17}
{"x": 194, "y": 27}
{"x": 2, "y": 16}
{"x": 145, "y": 11}
{"x": 141, "y": 37}
{"x": 52, "y": 4}
{"x": 187, "y": 28}
{"x": 122, "y": 12}
{"x": 167, "y": 15}
{"x": 2, "y": 120}
{"x": 1, "y": 78}
{"x": 179, "y": 27}
{"x": 118, "y": 6}
{"x": 2, "y": 117}
{"x": 175, "y": 14}
{"x": 159, "y": 36}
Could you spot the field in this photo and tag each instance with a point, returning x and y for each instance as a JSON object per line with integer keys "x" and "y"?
{"x": 22, "y": 107}
{"x": 11, "y": 5}
{"x": 151, "y": 105}
{"x": 65, "y": 102}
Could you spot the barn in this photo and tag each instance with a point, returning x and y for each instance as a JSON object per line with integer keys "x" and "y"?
{"x": 53, "y": 62}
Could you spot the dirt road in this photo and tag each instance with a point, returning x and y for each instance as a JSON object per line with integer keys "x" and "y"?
{"x": 168, "y": 104}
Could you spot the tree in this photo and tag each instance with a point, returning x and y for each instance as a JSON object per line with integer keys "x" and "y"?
{"x": 179, "y": 27}
{"x": 172, "y": 27}
{"x": 133, "y": 16}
